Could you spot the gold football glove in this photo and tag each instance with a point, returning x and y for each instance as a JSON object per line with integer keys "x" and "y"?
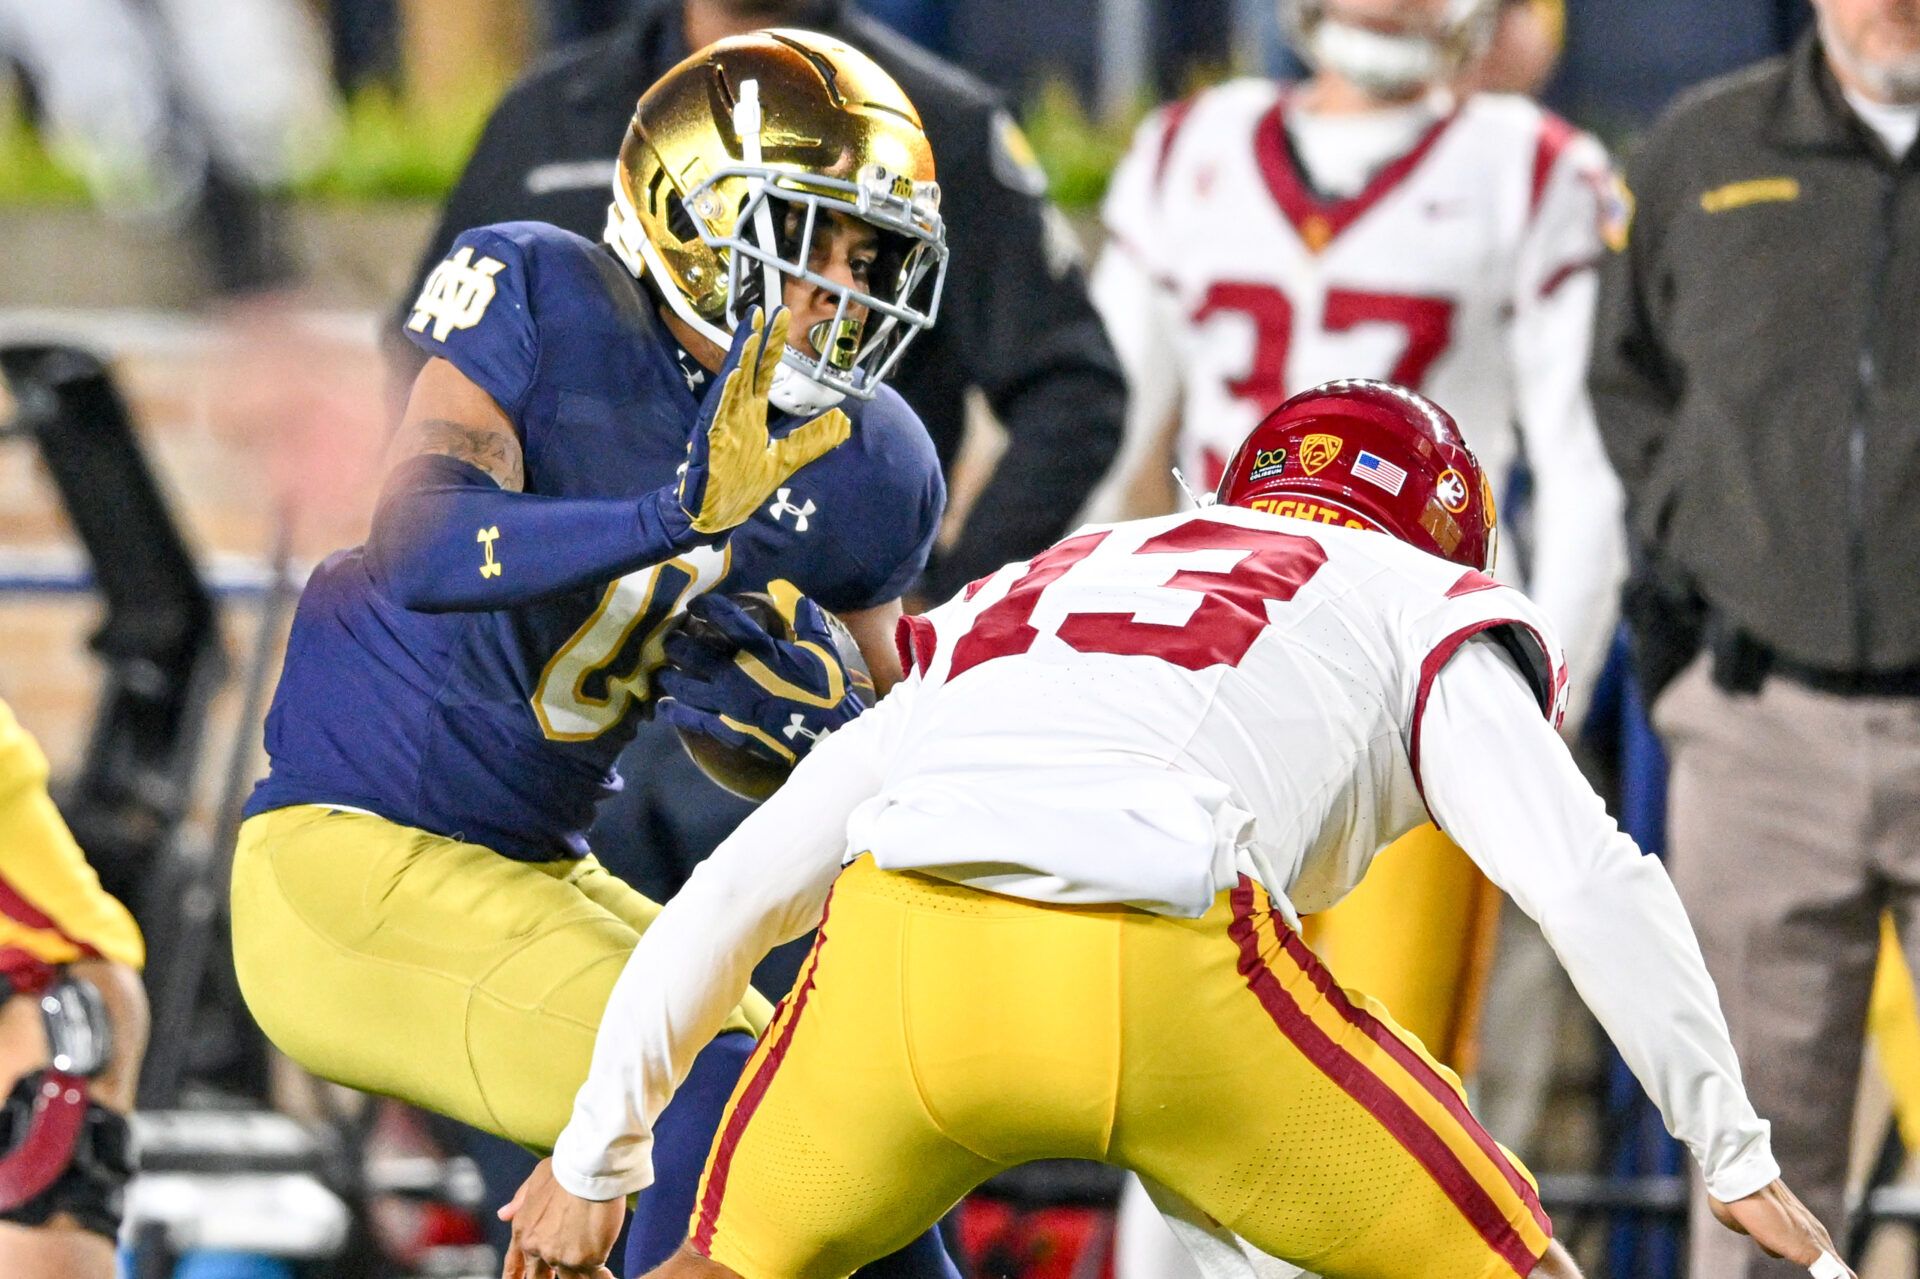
{"x": 733, "y": 465}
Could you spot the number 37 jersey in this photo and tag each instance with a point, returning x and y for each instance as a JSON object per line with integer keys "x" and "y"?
{"x": 1463, "y": 269}
{"x": 1147, "y": 710}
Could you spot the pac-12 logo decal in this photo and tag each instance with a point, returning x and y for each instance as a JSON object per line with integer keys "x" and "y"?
{"x": 1451, "y": 489}
{"x": 1316, "y": 451}
{"x": 456, "y": 295}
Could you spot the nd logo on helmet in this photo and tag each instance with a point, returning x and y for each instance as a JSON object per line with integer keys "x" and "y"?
{"x": 1318, "y": 450}
{"x": 456, "y": 295}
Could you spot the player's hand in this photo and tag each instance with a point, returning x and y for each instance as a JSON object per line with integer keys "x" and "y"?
{"x": 733, "y": 465}
{"x": 752, "y": 688}
{"x": 558, "y": 1235}
{"x": 1776, "y": 1220}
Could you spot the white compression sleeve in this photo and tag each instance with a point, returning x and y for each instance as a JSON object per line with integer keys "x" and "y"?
{"x": 763, "y": 886}
{"x": 1502, "y": 784}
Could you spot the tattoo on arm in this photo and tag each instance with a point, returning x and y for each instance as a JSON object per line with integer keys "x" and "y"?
{"x": 493, "y": 450}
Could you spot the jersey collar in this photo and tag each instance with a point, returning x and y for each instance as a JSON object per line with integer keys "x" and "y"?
{"x": 1317, "y": 220}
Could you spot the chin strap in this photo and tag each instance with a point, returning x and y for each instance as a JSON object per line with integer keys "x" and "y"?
{"x": 1201, "y": 501}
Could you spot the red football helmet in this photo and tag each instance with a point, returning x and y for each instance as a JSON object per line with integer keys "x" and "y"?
{"x": 1368, "y": 455}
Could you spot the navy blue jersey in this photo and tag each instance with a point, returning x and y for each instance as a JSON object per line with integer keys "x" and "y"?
{"x": 502, "y": 727}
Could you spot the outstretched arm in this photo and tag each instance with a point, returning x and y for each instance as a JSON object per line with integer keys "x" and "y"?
{"x": 1501, "y": 783}
{"x": 765, "y": 885}
{"x": 454, "y": 531}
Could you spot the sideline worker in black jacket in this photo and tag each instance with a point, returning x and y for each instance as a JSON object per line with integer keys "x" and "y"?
{"x": 1756, "y": 376}
{"x": 1014, "y": 321}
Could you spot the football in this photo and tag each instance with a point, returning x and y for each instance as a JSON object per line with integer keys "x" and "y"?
{"x": 743, "y": 770}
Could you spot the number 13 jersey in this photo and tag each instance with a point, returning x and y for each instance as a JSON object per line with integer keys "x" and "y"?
{"x": 1147, "y": 710}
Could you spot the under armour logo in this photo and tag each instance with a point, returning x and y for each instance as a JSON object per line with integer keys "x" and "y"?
{"x": 487, "y": 537}
{"x": 696, "y": 378}
{"x": 797, "y": 727}
{"x": 456, "y": 295}
{"x": 783, "y": 506}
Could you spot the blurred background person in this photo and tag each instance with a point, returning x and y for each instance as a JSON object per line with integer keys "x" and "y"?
{"x": 567, "y": 21}
{"x": 1380, "y": 219}
{"x": 1370, "y": 222}
{"x": 197, "y": 111}
{"x": 1757, "y": 375}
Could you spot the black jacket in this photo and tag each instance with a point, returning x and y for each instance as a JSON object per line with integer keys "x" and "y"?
{"x": 1756, "y": 368}
{"x": 1015, "y": 320}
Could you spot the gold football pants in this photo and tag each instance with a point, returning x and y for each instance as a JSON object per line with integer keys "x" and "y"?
{"x": 435, "y": 971}
{"x": 940, "y": 1034}
{"x": 1418, "y": 935}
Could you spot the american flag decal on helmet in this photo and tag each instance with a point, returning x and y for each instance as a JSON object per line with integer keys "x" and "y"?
{"x": 1378, "y": 471}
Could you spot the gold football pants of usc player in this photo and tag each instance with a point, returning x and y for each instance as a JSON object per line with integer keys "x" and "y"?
{"x": 1418, "y": 935}
{"x": 408, "y": 964}
{"x": 940, "y": 1034}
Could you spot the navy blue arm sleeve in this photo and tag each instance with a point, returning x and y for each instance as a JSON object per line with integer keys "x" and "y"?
{"x": 446, "y": 538}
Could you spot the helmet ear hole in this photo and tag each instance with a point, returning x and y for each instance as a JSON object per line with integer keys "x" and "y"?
{"x": 679, "y": 221}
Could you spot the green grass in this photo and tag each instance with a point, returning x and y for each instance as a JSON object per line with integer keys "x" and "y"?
{"x": 1077, "y": 151}
{"x": 28, "y": 175}
{"x": 388, "y": 151}
{"x": 385, "y": 152}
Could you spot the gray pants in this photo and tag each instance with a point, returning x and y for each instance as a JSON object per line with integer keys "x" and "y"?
{"x": 1793, "y": 822}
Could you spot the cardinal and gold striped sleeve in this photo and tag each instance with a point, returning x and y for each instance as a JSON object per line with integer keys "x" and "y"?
{"x": 52, "y": 907}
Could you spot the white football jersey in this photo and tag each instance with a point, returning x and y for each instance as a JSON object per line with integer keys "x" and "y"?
{"x": 1143, "y": 713}
{"x": 1464, "y": 269}
{"x": 1148, "y": 710}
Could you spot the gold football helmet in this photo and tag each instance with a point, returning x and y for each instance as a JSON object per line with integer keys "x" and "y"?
{"x": 731, "y": 160}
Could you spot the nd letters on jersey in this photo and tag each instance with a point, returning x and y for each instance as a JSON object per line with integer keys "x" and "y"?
{"x": 502, "y": 727}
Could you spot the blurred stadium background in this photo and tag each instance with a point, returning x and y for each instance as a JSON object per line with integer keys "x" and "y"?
{"x": 231, "y": 276}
